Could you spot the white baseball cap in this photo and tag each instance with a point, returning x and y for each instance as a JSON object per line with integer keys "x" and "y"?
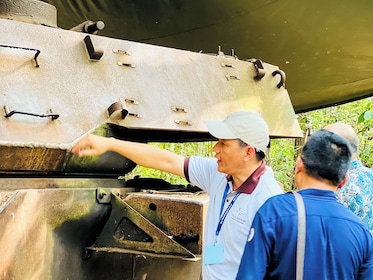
{"x": 247, "y": 126}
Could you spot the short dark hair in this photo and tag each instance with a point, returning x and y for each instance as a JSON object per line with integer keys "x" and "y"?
{"x": 326, "y": 155}
{"x": 258, "y": 153}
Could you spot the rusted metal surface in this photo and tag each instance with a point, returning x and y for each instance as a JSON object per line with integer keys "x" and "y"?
{"x": 31, "y": 159}
{"x": 4, "y": 198}
{"x": 27, "y": 183}
{"x": 33, "y": 229}
{"x": 180, "y": 215}
{"x": 45, "y": 234}
{"x": 166, "y": 224}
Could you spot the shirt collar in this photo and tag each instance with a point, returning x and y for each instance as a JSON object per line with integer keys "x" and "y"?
{"x": 355, "y": 164}
{"x": 250, "y": 184}
{"x": 325, "y": 194}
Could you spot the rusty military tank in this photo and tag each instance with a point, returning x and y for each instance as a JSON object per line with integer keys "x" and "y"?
{"x": 65, "y": 217}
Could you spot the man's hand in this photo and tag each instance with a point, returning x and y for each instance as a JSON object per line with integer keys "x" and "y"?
{"x": 142, "y": 154}
{"x": 91, "y": 145}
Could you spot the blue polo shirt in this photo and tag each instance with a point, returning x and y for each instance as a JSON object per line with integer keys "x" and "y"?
{"x": 338, "y": 244}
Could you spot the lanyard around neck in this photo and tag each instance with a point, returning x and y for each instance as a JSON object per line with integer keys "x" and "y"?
{"x": 222, "y": 217}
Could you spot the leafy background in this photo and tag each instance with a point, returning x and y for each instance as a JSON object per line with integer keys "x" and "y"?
{"x": 283, "y": 152}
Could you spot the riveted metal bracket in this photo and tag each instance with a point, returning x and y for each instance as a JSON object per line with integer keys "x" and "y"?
{"x": 26, "y": 49}
{"x": 117, "y": 107}
{"x": 93, "y": 54}
{"x": 282, "y": 77}
{"x": 260, "y": 72}
{"x": 50, "y": 114}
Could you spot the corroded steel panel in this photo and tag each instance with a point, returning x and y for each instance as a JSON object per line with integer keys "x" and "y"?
{"x": 52, "y": 232}
{"x": 36, "y": 227}
{"x": 180, "y": 215}
{"x": 155, "y": 224}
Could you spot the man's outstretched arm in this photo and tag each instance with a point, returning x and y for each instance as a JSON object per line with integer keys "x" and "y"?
{"x": 140, "y": 153}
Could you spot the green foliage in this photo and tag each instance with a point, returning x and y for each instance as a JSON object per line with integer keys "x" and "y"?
{"x": 358, "y": 114}
{"x": 186, "y": 149}
{"x": 365, "y": 132}
{"x": 283, "y": 152}
{"x": 281, "y": 158}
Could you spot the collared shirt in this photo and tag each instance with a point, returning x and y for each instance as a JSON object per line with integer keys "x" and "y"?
{"x": 250, "y": 184}
{"x": 203, "y": 173}
{"x": 357, "y": 193}
{"x": 338, "y": 244}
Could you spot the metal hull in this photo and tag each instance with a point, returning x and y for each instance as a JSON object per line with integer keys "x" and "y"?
{"x": 54, "y": 91}
{"x": 324, "y": 47}
{"x": 52, "y": 233}
{"x": 66, "y": 217}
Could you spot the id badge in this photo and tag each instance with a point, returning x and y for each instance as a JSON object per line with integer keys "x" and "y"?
{"x": 213, "y": 253}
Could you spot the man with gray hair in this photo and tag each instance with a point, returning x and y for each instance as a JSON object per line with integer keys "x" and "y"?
{"x": 237, "y": 180}
{"x": 357, "y": 193}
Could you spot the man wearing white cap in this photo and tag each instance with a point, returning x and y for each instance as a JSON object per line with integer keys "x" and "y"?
{"x": 237, "y": 180}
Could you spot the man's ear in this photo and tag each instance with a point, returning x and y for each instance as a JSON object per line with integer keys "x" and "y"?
{"x": 299, "y": 165}
{"x": 344, "y": 181}
{"x": 250, "y": 152}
